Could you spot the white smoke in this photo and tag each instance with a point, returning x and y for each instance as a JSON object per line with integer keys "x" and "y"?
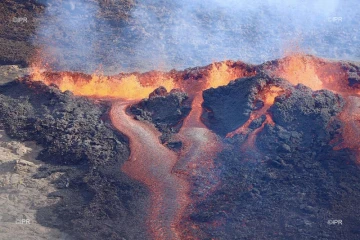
{"x": 165, "y": 34}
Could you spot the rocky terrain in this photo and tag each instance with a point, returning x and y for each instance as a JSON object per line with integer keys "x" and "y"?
{"x": 83, "y": 155}
{"x": 60, "y": 157}
{"x": 294, "y": 182}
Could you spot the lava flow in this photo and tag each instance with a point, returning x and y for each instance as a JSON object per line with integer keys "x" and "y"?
{"x": 151, "y": 163}
{"x": 167, "y": 175}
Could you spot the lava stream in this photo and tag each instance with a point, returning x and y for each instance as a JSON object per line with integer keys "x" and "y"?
{"x": 351, "y": 119}
{"x": 151, "y": 163}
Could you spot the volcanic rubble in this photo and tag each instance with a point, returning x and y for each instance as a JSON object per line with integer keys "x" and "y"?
{"x": 286, "y": 186}
{"x": 97, "y": 201}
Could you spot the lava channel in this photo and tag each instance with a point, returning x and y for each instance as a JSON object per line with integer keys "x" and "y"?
{"x": 151, "y": 163}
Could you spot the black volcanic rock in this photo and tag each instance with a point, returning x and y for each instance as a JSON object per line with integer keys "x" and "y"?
{"x": 304, "y": 119}
{"x": 165, "y": 110}
{"x": 68, "y": 127}
{"x": 229, "y": 107}
{"x": 353, "y": 72}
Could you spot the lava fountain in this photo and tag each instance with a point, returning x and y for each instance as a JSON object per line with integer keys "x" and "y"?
{"x": 319, "y": 74}
{"x": 128, "y": 86}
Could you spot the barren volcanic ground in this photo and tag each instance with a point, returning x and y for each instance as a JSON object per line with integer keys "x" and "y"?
{"x": 236, "y": 151}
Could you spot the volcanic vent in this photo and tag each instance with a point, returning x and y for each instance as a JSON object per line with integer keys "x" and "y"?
{"x": 225, "y": 151}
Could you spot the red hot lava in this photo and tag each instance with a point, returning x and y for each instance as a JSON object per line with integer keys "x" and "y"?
{"x": 151, "y": 163}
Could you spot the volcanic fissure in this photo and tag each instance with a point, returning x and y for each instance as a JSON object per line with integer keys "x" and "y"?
{"x": 173, "y": 149}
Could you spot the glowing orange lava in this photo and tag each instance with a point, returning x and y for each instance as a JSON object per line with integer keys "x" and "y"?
{"x": 297, "y": 69}
{"x": 200, "y": 145}
{"x": 151, "y": 163}
{"x": 221, "y": 74}
{"x": 164, "y": 172}
{"x": 98, "y": 85}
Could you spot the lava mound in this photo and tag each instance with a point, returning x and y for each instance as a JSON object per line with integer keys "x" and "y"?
{"x": 281, "y": 177}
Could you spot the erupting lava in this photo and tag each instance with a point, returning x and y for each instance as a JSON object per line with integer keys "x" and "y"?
{"x": 162, "y": 170}
{"x": 321, "y": 74}
{"x": 299, "y": 69}
{"x": 151, "y": 162}
{"x": 97, "y": 85}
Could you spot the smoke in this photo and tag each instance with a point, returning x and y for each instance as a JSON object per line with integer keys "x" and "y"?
{"x": 165, "y": 34}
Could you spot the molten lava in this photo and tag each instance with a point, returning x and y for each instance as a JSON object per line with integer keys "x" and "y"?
{"x": 222, "y": 73}
{"x": 166, "y": 174}
{"x": 200, "y": 144}
{"x": 97, "y": 85}
{"x": 151, "y": 163}
{"x": 299, "y": 69}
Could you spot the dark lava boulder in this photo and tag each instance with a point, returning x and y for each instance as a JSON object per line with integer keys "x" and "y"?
{"x": 165, "y": 110}
{"x": 229, "y": 107}
{"x": 353, "y": 73}
{"x": 304, "y": 119}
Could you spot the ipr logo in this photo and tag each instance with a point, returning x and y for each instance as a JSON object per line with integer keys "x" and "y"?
{"x": 19, "y": 19}
{"x": 334, "y": 222}
{"x": 22, "y": 221}
{"x": 335, "y": 19}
